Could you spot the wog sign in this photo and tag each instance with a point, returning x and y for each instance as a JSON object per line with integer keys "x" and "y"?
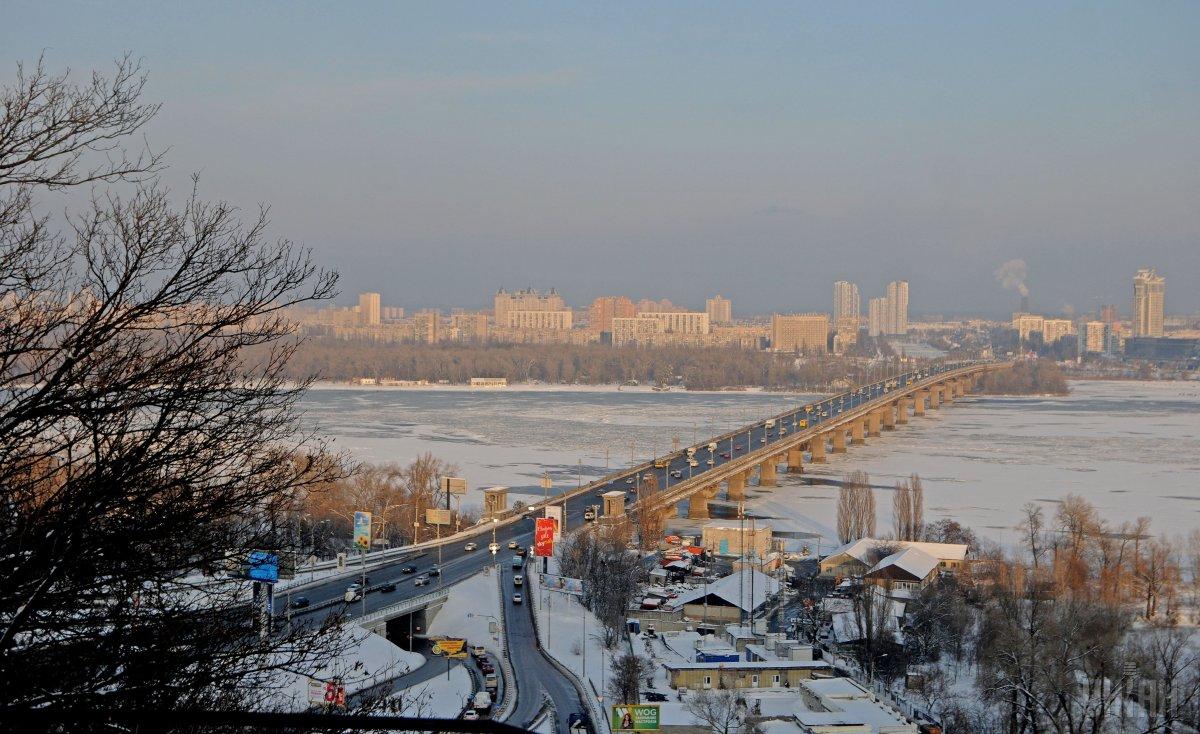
{"x": 635, "y": 717}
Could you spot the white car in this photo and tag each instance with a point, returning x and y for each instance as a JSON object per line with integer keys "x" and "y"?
{"x": 710, "y": 462}
{"x": 470, "y": 715}
{"x": 421, "y": 580}
{"x": 494, "y": 547}
{"x": 470, "y": 547}
{"x": 517, "y": 599}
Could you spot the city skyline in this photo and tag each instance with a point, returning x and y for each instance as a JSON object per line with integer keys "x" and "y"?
{"x": 720, "y": 149}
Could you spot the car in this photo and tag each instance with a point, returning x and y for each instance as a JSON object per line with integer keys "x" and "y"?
{"x": 512, "y": 545}
{"x": 518, "y": 580}
{"x": 478, "y": 651}
{"x": 470, "y": 547}
{"x": 693, "y": 462}
{"x": 725, "y": 455}
{"x": 629, "y": 480}
{"x": 421, "y": 580}
{"x": 353, "y": 593}
{"x": 710, "y": 462}
{"x": 470, "y": 715}
{"x": 517, "y": 598}
{"x": 518, "y": 561}
{"x": 654, "y": 696}
{"x": 389, "y": 586}
{"x": 676, "y": 474}
{"x": 521, "y": 551}
{"x": 494, "y": 548}
{"x": 762, "y": 440}
{"x": 486, "y": 667}
{"x": 408, "y": 569}
{"x": 299, "y": 602}
{"x": 737, "y": 447}
{"x": 434, "y": 571}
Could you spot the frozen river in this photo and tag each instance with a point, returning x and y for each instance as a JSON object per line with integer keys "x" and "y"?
{"x": 1132, "y": 448}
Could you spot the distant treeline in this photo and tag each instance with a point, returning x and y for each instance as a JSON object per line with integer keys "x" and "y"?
{"x": 697, "y": 368}
{"x": 1032, "y": 377}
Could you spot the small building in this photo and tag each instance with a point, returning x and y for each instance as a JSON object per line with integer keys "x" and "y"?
{"x": 911, "y": 568}
{"x": 843, "y": 706}
{"x": 736, "y": 539}
{"x": 743, "y": 674}
{"x": 489, "y": 382}
{"x": 728, "y": 599}
{"x": 860, "y": 556}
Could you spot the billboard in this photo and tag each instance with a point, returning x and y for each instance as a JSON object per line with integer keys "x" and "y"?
{"x": 564, "y": 584}
{"x": 453, "y": 485}
{"x": 263, "y": 566}
{"x": 449, "y": 646}
{"x": 635, "y": 717}
{"x": 362, "y": 530}
{"x": 435, "y": 516}
{"x": 555, "y": 512}
{"x": 543, "y": 537}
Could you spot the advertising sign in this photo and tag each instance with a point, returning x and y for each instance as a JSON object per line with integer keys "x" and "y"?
{"x": 449, "y": 646}
{"x": 555, "y": 513}
{"x": 335, "y": 694}
{"x": 543, "y": 537}
{"x": 453, "y": 485}
{"x": 635, "y": 717}
{"x": 435, "y": 516}
{"x": 564, "y": 584}
{"x": 316, "y": 692}
{"x": 362, "y": 530}
{"x": 263, "y": 566}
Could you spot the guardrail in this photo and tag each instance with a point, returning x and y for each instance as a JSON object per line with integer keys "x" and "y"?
{"x": 415, "y": 602}
{"x": 506, "y": 706}
{"x": 599, "y": 722}
{"x": 687, "y": 487}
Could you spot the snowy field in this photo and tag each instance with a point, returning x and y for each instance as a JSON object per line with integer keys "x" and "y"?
{"x": 1132, "y": 448}
{"x": 368, "y": 659}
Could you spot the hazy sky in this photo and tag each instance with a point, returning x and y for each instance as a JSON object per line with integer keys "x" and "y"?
{"x": 436, "y": 151}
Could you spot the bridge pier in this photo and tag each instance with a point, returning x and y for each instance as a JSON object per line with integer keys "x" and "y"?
{"x": 816, "y": 449}
{"x": 768, "y": 473}
{"x": 858, "y": 433}
{"x": 902, "y": 410}
{"x": 795, "y": 460}
{"x": 735, "y": 487}
{"x": 935, "y": 397}
{"x": 874, "y": 423}
{"x": 889, "y": 417}
{"x": 839, "y": 440}
{"x": 948, "y": 392}
{"x": 698, "y": 503}
{"x": 919, "y": 402}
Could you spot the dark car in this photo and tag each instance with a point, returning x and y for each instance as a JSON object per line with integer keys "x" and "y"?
{"x": 389, "y": 586}
{"x": 654, "y": 696}
{"x": 725, "y": 455}
{"x": 299, "y": 602}
{"x": 408, "y": 569}
{"x": 434, "y": 571}
{"x": 521, "y": 551}
{"x": 485, "y": 667}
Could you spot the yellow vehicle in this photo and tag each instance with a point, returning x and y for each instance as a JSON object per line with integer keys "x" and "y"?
{"x": 662, "y": 463}
{"x": 804, "y": 424}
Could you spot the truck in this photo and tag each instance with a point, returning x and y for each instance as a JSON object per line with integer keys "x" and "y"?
{"x": 490, "y": 683}
{"x": 589, "y": 513}
{"x": 481, "y": 702}
{"x": 691, "y": 451}
{"x": 662, "y": 463}
{"x": 518, "y": 561}
{"x": 770, "y": 423}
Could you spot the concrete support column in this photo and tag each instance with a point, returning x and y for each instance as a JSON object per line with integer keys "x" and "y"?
{"x": 858, "y": 432}
{"x": 935, "y": 397}
{"x": 816, "y": 449}
{"x": 948, "y": 392}
{"x": 698, "y": 505}
{"x": 889, "y": 417}
{"x": 839, "y": 440}
{"x": 874, "y": 423}
{"x": 902, "y": 410}
{"x": 736, "y": 487}
{"x": 795, "y": 459}
{"x": 768, "y": 473}
{"x": 919, "y": 402}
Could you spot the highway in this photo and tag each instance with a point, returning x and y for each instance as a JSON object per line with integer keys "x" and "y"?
{"x": 458, "y": 564}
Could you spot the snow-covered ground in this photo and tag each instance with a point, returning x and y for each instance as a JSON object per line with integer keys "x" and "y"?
{"x": 441, "y": 697}
{"x": 368, "y": 659}
{"x": 472, "y": 604}
{"x": 1132, "y": 448}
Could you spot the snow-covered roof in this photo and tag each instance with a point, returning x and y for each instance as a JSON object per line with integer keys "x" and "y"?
{"x": 736, "y": 589}
{"x": 745, "y": 665}
{"x": 846, "y": 703}
{"x": 862, "y": 549}
{"x": 912, "y": 562}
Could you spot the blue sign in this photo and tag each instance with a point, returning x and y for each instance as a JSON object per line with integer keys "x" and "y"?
{"x": 263, "y": 567}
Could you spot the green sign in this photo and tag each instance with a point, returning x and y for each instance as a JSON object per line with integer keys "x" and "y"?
{"x": 635, "y": 717}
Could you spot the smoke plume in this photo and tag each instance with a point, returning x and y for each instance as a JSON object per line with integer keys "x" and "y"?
{"x": 1011, "y": 276}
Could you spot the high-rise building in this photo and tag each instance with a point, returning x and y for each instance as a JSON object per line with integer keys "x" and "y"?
{"x": 897, "y": 307}
{"x": 606, "y": 308}
{"x": 469, "y": 326}
{"x": 634, "y": 329}
{"x": 1025, "y": 324}
{"x": 877, "y": 317}
{"x": 847, "y": 306}
{"x": 1055, "y": 329}
{"x": 391, "y": 313}
{"x": 368, "y": 309}
{"x": 1094, "y": 339}
{"x": 808, "y": 333}
{"x": 720, "y": 310}
{"x": 679, "y": 322}
{"x": 1149, "y": 291}
{"x": 540, "y": 320}
{"x": 524, "y": 300}
{"x": 1108, "y": 314}
{"x": 427, "y": 326}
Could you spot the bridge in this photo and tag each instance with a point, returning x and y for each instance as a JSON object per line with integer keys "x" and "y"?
{"x": 808, "y": 433}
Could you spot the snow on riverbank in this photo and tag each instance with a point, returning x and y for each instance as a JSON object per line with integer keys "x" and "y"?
{"x": 368, "y": 659}
{"x": 472, "y": 604}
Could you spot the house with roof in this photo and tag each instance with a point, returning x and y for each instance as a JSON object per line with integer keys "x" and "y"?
{"x": 728, "y": 599}
{"x": 859, "y": 557}
{"x": 743, "y": 673}
{"x": 910, "y": 568}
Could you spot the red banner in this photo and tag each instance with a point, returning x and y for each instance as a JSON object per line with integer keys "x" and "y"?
{"x": 543, "y": 537}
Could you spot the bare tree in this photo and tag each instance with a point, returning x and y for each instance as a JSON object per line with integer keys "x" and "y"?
{"x": 856, "y": 507}
{"x": 139, "y": 449}
{"x": 628, "y": 672}
{"x": 723, "y": 711}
